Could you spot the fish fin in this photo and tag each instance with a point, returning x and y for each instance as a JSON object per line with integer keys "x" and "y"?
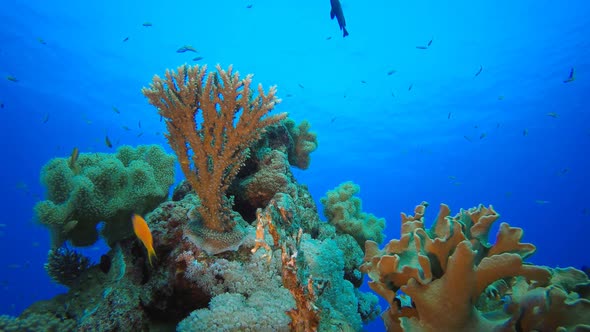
{"x": 344, "y": 32}
{"x": 332, "y": 15}
{"x": 151, "y": 253}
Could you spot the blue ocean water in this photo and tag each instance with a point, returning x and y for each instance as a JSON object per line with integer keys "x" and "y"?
{"x": 459, "y": 103}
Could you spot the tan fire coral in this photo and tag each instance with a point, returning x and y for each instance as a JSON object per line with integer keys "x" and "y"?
{"x": 212, "y": 150}
{"x": 445, "y": 269}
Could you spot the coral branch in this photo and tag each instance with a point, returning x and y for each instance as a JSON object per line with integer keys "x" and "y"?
{"x": 212, "y": 150}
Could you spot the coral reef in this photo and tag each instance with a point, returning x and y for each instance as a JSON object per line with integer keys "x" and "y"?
{"x": 267, "y": 171}
{"x": 38, "y": 318}
{"x": 295, "y": 282}
{"x": 285, "y": 271}
{"x": 259, "y": 188}
{"x": 102, "y": 187}
{"x": 240, "y": 246}
{"x": 212, "y": 151}
{"x": 343, "y": 210}
{"x": 452, "y": 268}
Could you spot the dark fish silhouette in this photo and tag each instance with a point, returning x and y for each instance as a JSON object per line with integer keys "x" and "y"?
{"x": 107, "y": 141}
{"x": 479, "y": 71}
{"x": 571, "y": 77}
{"x": 186, "y": 48}
{"x": 336, "y": 11}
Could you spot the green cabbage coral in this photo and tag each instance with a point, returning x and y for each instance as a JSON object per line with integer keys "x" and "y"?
{"x": 103, "y": 187}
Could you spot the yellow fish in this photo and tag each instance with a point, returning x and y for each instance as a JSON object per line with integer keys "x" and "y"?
{"x": 142, "y": 231}
{"x": 74, "y": 157}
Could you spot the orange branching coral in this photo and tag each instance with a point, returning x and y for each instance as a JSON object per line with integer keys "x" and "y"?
{"x": 212, "y": 120}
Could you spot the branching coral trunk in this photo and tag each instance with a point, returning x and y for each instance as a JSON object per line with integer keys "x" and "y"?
{"x": 211, "y": 120}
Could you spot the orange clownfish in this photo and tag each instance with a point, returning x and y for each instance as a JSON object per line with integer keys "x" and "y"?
{"x": 142, "y": 231}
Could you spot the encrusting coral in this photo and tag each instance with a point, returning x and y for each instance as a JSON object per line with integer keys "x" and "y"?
{"x": 102, "y": 187}
{"x": 452, "y": 279}
{"x": 212, "y": 151}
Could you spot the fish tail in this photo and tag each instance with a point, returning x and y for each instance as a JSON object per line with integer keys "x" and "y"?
{"x": 345, "y": 33}
{"x": 151, "y": 253}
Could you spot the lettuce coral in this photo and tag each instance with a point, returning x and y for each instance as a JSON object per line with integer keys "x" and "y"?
{"x": 102, "y": 187}
{"x": 450, "y": 278}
